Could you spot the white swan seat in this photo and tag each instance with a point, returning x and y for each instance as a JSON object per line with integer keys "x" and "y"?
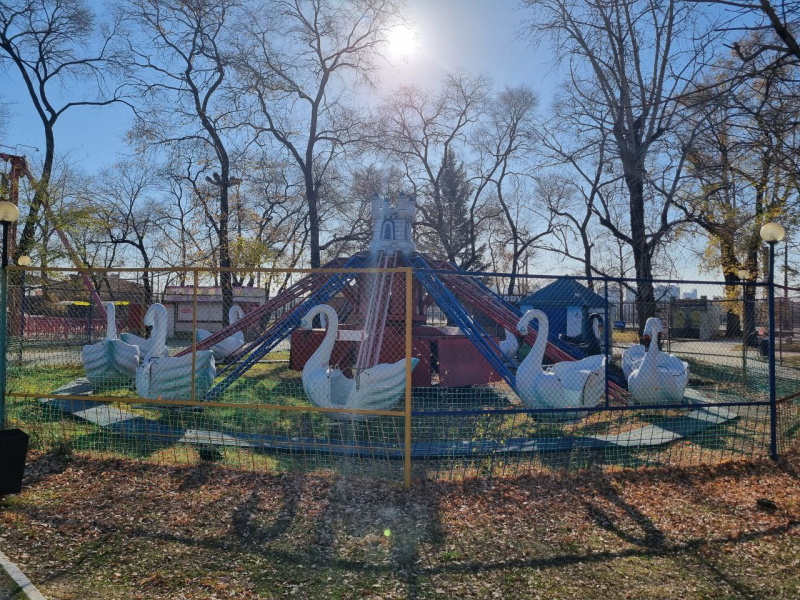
{"x": 375, "y": 388}
{"x": 170, "y": 377}
{"x": 111, "y": 361}
{"x": 230, "y": 344}
{"x": 591, "y": 346}
{"x": 568, "y": 384}
{"x": 654, "y": 377}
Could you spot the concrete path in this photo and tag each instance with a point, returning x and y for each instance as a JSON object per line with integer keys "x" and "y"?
{"x": 26, "y": 588}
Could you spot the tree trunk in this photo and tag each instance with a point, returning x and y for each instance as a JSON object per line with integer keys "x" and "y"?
{"x": 27, "y": 240}
{"x": 313, "y": 219}
{"x": 730, "y": 267}
{"x": 645, "y": 297}
{"x": 225, "y": 276}
{"x": 147, "y": 284}
{"x": 514, "y": 264}
{"x": 587, "y": 260}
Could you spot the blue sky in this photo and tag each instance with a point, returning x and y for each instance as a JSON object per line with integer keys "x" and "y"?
{"x": 482, "y": 36}
{"x": 479, "y": 35}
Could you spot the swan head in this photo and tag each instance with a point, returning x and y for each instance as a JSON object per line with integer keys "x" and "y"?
{"x": 652, "y": 330}
{"x": 596, "y": 322}
{"x": 653, "y": 327}
{"x": 152, "y": 312}
{"x": 305, "y": 322}
{"x": 522, "y": 326}
{"x": 235, "y": 313}
{"x": 322, "y": 310}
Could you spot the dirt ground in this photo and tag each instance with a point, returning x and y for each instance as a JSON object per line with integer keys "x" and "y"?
{"x": 88, "y": 528}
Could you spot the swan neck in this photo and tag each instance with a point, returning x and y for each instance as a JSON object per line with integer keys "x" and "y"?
{"x": 651, "y": 356}
{"x": 534, "y": 359}
{"x": 541, "y": 340}
{"x": 322, "y": 354}
{"x": 159, "y": 332}
{"x": 111, "y": 321}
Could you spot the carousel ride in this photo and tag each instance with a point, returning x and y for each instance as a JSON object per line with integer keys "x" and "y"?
{"x": 356, "y": 358}
{"x": 347, "y": 324}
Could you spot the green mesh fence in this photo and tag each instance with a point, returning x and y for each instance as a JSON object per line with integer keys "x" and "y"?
{"x": 156, "y": 392}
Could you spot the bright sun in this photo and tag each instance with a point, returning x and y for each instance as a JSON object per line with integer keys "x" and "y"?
{"x": 402, "y": 42}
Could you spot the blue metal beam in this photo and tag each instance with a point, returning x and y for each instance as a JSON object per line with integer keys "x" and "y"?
{"x": 281, "y": 329}
{"x": 454, "y": 310}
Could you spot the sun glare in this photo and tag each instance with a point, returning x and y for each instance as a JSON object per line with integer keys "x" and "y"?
{"x": 402, "y": 42}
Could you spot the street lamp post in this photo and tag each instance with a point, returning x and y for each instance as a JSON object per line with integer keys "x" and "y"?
{"x": 22, "y": 261}
{"x": 772, "y": 233}
{"x": 9, "y": 213}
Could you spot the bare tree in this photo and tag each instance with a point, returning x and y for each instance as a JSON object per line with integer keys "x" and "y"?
{"x": 125, "y": 205}
{"x": 419, "y": 129}
{"x": 52, "y": 43}
{"x": 781, "y": 18}
{"x": 178, "y": 65}
{"x": 300, "y": 61}
{"x": 629, "y": 60}
{"x": 504, "y": 142}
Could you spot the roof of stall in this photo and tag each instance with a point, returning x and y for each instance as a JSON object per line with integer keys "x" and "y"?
{"x": 563, "y": 292}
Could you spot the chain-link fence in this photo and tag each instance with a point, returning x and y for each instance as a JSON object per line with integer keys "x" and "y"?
{"x": 399, "y": 368}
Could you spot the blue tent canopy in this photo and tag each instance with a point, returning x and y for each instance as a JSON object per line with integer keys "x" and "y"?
{"x": 563, "y": 300}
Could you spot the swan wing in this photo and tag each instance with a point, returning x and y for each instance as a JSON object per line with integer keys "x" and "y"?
{"x": 594, "y": 387}
{"x": 171, "y": 377}
{"x": 341, "y": 387}
{"x": 201, "y": 334}
{"x": 386, "y": 373}
{"x": 380, "y": 387}
{"x": 572, "y": 369}
{"x": 110, "y": 362}
{"x": 632, "y": 358}
{"x": 126, "y": 357}
{"x": 228, "y": 346}
{"x": 132, "y": 338}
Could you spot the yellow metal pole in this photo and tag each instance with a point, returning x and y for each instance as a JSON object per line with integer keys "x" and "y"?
{"x": 409, "y": 315}
{"x": 194, "y": 339}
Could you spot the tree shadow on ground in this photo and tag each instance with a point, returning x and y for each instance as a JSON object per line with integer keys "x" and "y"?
{"x": 339, "y": 524}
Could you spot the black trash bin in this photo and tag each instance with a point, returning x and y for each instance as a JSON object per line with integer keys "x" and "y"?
{"x": 13, "y": 449}
{"x": 763, "y": 347}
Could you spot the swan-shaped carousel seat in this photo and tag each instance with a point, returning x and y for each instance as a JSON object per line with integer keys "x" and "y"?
{"x": 579, "y": 383}
{"x": 654, "y": 377}
{"x": 152, "y": 343}
{"x": 590, "y": 346}
{"x": 230, "y": 344}
{"x": 509, "y": 346}
{"x": 110, "y": 361}
{"x": 170, "y": 377}
{"x": 375, "y": 388}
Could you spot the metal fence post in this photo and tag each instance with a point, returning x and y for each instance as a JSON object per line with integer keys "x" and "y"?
{"x": 194, "y": 338}
{"x": 773, "y": 409}
{"x": 606, "y": 329}
{"x": 409, "y": 317}
{"x": 3, "y": 326}
{"x": 743, "y": 327}
{"x": 90, "y": 323}
{"x": 22, "y": 319}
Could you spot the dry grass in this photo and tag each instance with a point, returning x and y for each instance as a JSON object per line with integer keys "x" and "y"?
{"x": 90, "y": 528}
